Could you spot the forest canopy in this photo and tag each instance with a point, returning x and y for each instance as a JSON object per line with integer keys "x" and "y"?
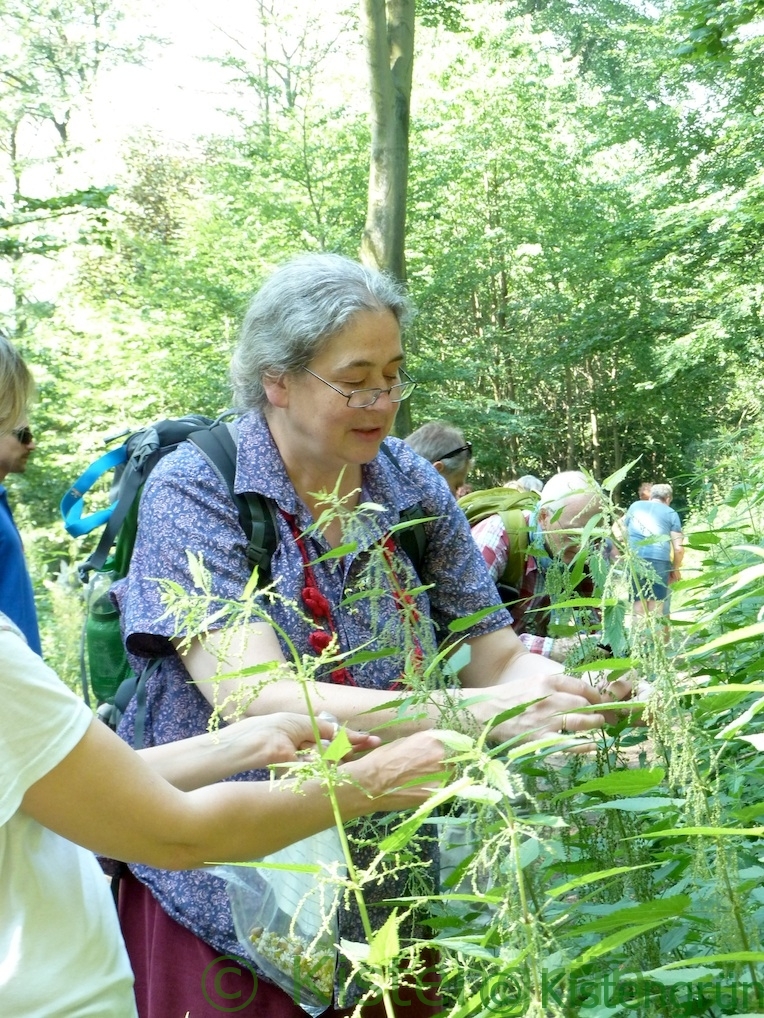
{"x": 582, "y": 236}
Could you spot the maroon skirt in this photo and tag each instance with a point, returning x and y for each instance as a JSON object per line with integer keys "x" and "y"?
{"x": 177, "y": 974}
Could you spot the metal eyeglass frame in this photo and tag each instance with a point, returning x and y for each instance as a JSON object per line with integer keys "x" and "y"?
{"x": 406, "y": 388}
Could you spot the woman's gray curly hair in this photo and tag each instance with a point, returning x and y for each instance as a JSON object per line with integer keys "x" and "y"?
{"x": 297, "y": 310}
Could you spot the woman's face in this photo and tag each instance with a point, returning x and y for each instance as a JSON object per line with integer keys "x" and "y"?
{"x": 366, "y": 354}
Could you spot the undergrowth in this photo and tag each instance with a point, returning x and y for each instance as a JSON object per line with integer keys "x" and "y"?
{"x": 624, "y": 880}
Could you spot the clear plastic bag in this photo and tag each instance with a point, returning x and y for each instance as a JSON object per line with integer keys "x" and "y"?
{"x": 286, "y": 917}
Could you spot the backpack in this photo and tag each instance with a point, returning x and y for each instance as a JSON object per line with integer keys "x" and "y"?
{"x": 508, "y": 503}
{"x": 104, "y": 666}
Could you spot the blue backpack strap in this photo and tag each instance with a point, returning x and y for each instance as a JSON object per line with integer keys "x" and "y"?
{"x": 256, "y": 513}
{"x": 73, "y": 502}
{"x": 143, "y": 455}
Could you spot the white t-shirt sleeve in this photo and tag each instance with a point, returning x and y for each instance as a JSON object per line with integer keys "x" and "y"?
{"x": 41, "y": 721}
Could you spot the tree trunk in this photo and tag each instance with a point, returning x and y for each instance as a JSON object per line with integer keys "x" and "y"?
{"x": 389, "y": 36}
{"x": 570, "y": 447}
{"x": 617, "y": 461}
{"x": 594, "y": 422}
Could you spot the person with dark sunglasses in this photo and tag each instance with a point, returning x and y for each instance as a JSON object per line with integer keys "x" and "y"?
{"x": 16, "y": 595}
{"x": 445, "y": 447}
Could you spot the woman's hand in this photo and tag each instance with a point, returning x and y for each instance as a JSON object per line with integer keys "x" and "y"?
{"x": 278, "y": 738}
{"x": 246, "y": 745}
{"x": 558, "y": 697}
{"x": 416, "y": 758}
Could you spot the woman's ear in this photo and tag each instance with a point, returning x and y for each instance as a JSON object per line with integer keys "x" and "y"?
{"x": 277, "y": 389}
{"x": 438, "y": 464}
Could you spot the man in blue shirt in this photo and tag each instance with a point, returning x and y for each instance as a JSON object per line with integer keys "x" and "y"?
{"x": 654, "y": 531}
{"x": 16, "y": 595}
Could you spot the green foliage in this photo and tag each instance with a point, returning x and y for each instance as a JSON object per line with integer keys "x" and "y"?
{"x": 622, "y": 880}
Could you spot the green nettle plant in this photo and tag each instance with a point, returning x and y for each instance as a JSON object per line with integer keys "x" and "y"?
{"x": 617, "y": 874}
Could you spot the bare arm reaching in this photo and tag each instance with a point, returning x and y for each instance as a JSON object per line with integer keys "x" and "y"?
{"x": 103, "y": 796}
{"x": 499, "y": 666}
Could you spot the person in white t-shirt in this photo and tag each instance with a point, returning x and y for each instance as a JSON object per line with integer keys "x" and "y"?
{"x": 67, "y": 781}
{"x": 65, "y": 775}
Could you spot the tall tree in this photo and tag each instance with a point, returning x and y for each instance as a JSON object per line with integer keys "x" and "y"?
{"x": 388, "y": 31}
{"x": 388, "y": 27}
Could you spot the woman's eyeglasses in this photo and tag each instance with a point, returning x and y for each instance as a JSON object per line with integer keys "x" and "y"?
{"x": 467, "y": 447}
{"x": 360, "y": 398}
{"x": 23, "y": 435}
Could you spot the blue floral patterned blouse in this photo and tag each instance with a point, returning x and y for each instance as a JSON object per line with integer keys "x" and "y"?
{"x": 185, "y": 506}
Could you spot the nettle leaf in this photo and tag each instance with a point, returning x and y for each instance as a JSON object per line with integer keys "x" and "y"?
{"x": 619, "y": 476}
{"x": 339, "y": 747}
{"x": 460, "y": 625}
{"x": 496, "y": 775}
{"x": 613, "y": 941}
{"x": 252, "y": 584}
{"x": 408, "y": 524}
{"x": 457, "y": 741}
{"x": 386, "y": 946}
{"x": 339, "y": 552}
{"x": 199, "y": 574}
{"x": 481, "y": 793}
{"x": 648, "y": 912}
{"x": 720, "y": 704}
{"x": 713, "y": 959}
{"x": 734, "y": 687}
{"x": 735, "y": 636}
{"x": 696, "y": 974}
{"x": 405, "y": 831}
{"x": 293, "y": 867}
{"x": 703, "y": 832}
{"x": 354, "y": 950}
{"x": 743, "y": 578}
{"x": 464, "y": 946}
{"x": 605, "y": 664}
{"x": 368, "y": 594}
{"x": 582, "y": 602}
{"x": 248, "y": 671}
{"x": 528, "y": 852}
{"x": 546, "y": 820}
{"x": 625, "y": 782}
{"x": 592, "y": 524}
{"x": 730, "y": 731}
{"x": 614, "y": 629}
{"x": 590, "y": 878}
{"x": 362, "y": 656}
{"x": 636, "y": 805}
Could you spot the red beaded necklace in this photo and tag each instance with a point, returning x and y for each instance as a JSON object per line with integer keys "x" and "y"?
{"x": 321, "y": 610}
{"x": 318, "y": 606}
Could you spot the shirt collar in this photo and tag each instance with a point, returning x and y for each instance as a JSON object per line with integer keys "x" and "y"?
{"x": 383, "y": 482}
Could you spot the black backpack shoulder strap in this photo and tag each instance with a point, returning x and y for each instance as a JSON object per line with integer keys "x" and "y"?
{"x": 411, "y": 540}
{"x": 256, "y": 513}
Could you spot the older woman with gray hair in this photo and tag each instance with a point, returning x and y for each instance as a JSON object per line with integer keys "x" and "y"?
{"x": 318, "y": 375}
{"x": 69, "y": 787}
{"x": 444, "y": 446}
